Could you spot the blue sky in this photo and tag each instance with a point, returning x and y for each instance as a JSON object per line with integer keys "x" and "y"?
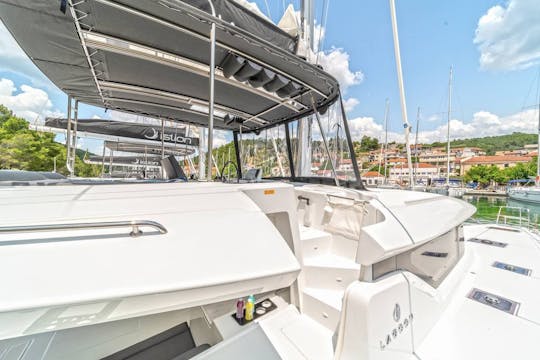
{"x": 492, "y": 74}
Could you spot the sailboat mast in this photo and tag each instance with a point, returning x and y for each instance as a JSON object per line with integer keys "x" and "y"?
{"x": 386, "y": 111}
{"x": 406, "y": 124}
{"x": 448, "y": 129}
{"x": 304, "y": 156}
{"x": 538, "y": 148}
{"x": 416, "y": 144}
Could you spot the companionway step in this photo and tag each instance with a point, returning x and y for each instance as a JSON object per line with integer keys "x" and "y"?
{"x": 330, "y": 272}
{"x": 323, "y": 306}
{"x": 314, "y": 241}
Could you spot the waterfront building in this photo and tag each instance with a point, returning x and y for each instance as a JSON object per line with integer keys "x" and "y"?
{"x": 422, "y": 171}
{"x": 501, "y": 161}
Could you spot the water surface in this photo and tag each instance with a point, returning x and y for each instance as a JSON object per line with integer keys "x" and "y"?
{"x": 487, "y": 207}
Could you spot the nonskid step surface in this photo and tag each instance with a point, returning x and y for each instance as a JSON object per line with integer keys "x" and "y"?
{"x": 314, "y": 242}
{"x": 330, "y": 272}
{"x": 323, "y": 306}
{"x": 332, "y": 298}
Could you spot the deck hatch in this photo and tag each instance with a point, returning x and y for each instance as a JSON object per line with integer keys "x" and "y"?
{"x": 435, "y": 254}
{"x": 488, "y": 242}
{"x": 494, "y": 301}
{"x": 512, "y": 268}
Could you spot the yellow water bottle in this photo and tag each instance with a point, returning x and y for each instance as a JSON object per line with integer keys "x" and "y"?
{"x": 250, "y": 308}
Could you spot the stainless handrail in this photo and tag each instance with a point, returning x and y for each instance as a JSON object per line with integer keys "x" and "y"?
{"x": 523, "y": 220}
{"x": 135, "y": 224}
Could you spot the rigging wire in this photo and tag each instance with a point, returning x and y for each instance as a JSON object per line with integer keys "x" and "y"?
{"x": 457, "y": 100}
{"x": 523, "y": 107}
{"x": 268, "y": 9}
{"x": 324, "y": 18}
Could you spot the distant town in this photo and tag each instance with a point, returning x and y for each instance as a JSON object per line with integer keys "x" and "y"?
{"x": 430, "y": 163}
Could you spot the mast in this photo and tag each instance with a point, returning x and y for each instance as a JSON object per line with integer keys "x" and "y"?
{"x": 380, "y": 156}
{"x": 416, "y": 144}
{"x": 386, "y": 112}
{"x": 448, "y": 129}
{"x": 305, "y": 125}
{"x": 202, "y": 155}
{"x": 406, "y": 124}
{"x": 538, "y": 148}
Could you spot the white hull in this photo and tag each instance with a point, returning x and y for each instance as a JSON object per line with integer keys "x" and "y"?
{"x": 531, "y": 195}
{"x": 361, "y": 253}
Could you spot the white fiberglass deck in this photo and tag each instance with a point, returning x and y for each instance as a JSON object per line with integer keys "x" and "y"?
{"x": 470, "y": 330}
{"x": 219, "y": 245}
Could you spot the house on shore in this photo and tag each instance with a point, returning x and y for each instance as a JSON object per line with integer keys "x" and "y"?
{"x": 501, "y": 161}
{"x": 373, "y": 178}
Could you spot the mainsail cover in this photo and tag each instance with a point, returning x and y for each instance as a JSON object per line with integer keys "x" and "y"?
{"x": 153, "y": 149}
{"x": 123, "y": 129}
{"x": 131, "y": 161}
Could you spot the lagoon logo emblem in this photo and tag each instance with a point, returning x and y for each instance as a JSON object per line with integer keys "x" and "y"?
{"x": 397, "y": 313}
{"x": 397, "y": 330}
{"x": 151, "y": 134}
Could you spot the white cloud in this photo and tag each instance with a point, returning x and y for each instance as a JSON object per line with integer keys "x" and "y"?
{"x": 434, "y": 117}
{"x": 508, "y": 37}
{"x": 221, "y": 138}
{"x": 336, "y": 62}
{"x": 30, "y": 103}
{"x": 361, "y": 126}
{"x": 350, "y": 104}
{"x": 482, "y": 124}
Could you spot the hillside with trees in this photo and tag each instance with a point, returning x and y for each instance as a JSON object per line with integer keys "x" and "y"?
{"x": 25, "y": 149}
{"x": 491, "y": 144}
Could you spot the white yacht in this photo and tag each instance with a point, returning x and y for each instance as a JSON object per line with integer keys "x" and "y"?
{"x": 526, "y": 194}
{"x": 294, "y": 267}
{"x": 529, "y": 194}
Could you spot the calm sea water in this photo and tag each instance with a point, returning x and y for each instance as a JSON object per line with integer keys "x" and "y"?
{"x": 487, "y": 207}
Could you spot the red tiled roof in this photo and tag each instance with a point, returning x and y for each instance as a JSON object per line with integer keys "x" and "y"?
{"x": 418, "y": 165}
{"x": 372, "y": 174}
{"x": 424, "y": 165}
{"x": 496, "y": 159}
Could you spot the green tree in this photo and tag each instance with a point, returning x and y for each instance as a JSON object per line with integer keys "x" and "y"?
{"x": 491, "y": 144}
{"x": 25, "y": 149}
{"x": 484, "y": 175}
{"x": 368, "y": 144}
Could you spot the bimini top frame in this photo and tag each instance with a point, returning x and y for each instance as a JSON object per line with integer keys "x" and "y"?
{"x": 153, "y": 58}
{"x": 114, "y": 130}
{"x": 210, "y": 63}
